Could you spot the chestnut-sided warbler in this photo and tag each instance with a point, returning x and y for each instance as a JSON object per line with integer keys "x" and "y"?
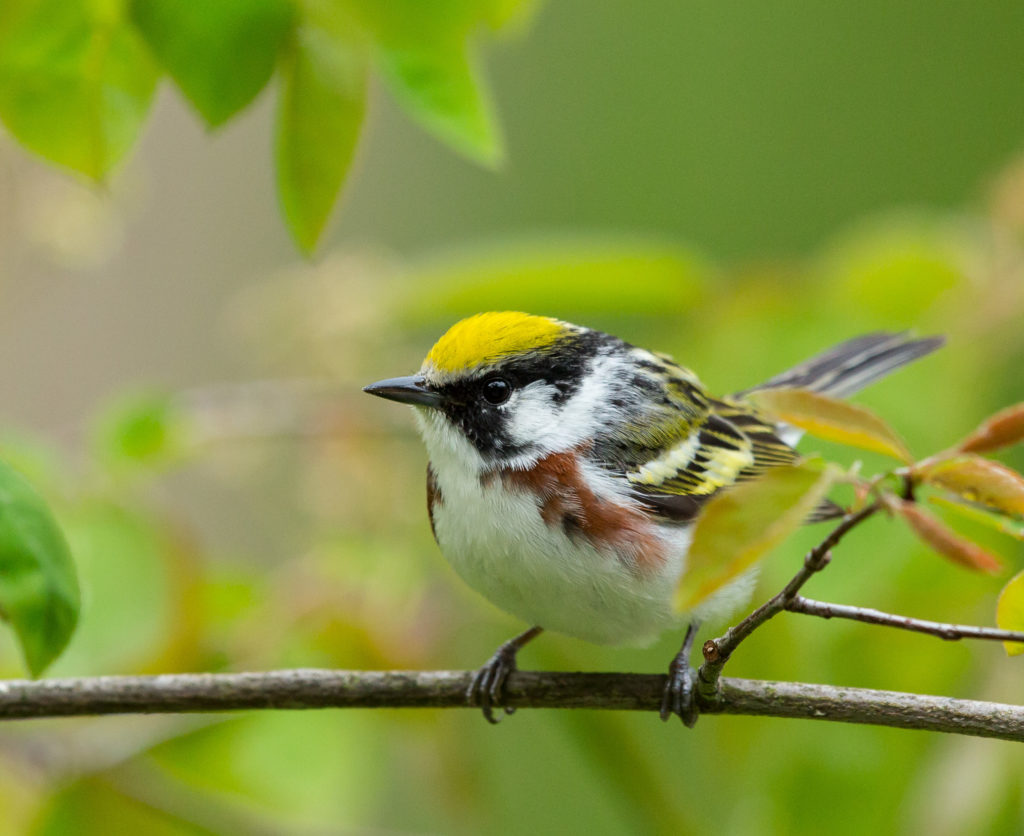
{"x": 567, "y": 466}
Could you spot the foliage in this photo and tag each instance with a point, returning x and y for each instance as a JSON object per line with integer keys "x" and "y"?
{"x": 739, "y": 526}
{"x": 77, "y": 78}
{"x": 38, "y": 586}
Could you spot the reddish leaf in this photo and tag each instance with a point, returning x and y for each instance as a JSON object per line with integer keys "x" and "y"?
{"x": 980, "y": 480}
{"x": 1001, "y": 430}
{"x": 944, "y": 540}
{"x": 832, "y": 420}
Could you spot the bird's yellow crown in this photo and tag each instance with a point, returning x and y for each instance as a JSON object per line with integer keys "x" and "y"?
{"x": 490, "y": 337}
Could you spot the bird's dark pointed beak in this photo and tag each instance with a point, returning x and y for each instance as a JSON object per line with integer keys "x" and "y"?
{"x": 412, "y": 389}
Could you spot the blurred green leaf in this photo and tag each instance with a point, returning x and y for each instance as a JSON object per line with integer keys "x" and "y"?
{"x": 140, "y": 429}
{"x": 323, "y": 100}
{"x": 1003, "y": 429}
{"x": 38, "y": 586}
{"x": 988, "y": 518}
{"x": 831, "y": 419}
{"x": 557, "y": 278}
{"x": 896, "y": 267}
{"x": 1010, "y": 611}
{"x": 325, "y": 783}
{"x": 220, "y": 53}
{"x": 76, "y": 82}
{"x": 94, "y": 807}
{"x": 440, "y": 85}
{"x": 510, "y": 14}
{"x": 426, "y": 56}
{"x": 944, "y": 540}
{"x": 742, "y": 523}
{"x": 979, "y": 480}
{"x": 129, "y": 583}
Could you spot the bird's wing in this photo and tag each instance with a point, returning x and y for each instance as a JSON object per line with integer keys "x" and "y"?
{"x": 688, "y": 446}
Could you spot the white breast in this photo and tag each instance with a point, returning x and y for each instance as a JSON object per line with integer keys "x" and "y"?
{"x": 497, "y": 541}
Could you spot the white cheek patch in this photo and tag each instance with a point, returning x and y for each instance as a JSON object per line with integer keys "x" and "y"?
{"x": 532, "y": 420}
{"x": 537, "y": 421}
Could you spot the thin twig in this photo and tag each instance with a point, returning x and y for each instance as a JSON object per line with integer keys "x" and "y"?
{"x": 309, "y": 688}
{"x": 950, "y": 632}
{"x": 717, "y": 651}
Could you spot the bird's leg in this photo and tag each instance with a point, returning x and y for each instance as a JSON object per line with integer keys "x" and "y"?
{"x": 679, "y": 697}
{"x": 487, "y": 689}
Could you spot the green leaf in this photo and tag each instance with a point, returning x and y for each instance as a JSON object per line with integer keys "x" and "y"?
{"x": 221, "y": 53}
{"x": 831, "y": 419}
{"x": 425, "y": 53}
{"x": 1010, "y": 611}
{"x": 140, "y": 429}
{"x": 76, "y": 82}
{"x": 741, "y": 524}
{"x": 440, "y": 85}
{"x": 980, "y": 515}
{"x": 512, "y": 15}
{"x": 572, "y": 278}
{"x": 38, "y": 586}
{"x": 979, "y": 480}
{"x": 323, "y": 100}
{"x": 139, "y": 575}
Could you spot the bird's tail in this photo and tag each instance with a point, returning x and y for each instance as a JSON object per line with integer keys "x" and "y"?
{"x": 852, "y": 365}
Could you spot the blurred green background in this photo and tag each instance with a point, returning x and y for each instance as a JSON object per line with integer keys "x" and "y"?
{"x": 740, "y": 185}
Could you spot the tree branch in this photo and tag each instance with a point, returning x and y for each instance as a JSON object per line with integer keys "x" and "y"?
{"x": 310, "y": 688}
{"x": 717, "y": 651}
{"x": 939, "y": 629}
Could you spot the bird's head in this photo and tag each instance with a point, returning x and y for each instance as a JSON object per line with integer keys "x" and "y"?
{"x": 502, "y": 389}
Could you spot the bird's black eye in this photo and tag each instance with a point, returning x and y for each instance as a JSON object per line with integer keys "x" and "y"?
{"x": 497, "y": 390}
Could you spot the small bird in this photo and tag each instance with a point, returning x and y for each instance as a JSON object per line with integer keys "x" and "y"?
{"x": 567, "y": 466}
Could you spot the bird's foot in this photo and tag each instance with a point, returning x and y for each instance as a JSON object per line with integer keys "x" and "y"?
{"x": 487, "y": 690}
{"x": 680, "y": 696}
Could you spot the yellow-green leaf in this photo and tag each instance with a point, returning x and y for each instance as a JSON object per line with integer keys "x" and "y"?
{"x": 989, "y": 518}
{"x": 831, "y": 419}
{"x": 1001, "y": 430}
{"x": 323, "y": 99}
{"x": 741, "y": 524}
{"x": 979, "y": 480}
{"x": 564, "y": 277}
{"x": 1010, "y": 611}
{"x": 75, "y": 82}
{"x": 944, "y": 540}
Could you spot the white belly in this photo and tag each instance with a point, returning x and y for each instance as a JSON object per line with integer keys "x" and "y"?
{"x": 497, "y": 541}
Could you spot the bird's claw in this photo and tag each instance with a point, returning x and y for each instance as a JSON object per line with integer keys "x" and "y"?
{"x": 487, "y": 690}
{"x": 680, "y": 697}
